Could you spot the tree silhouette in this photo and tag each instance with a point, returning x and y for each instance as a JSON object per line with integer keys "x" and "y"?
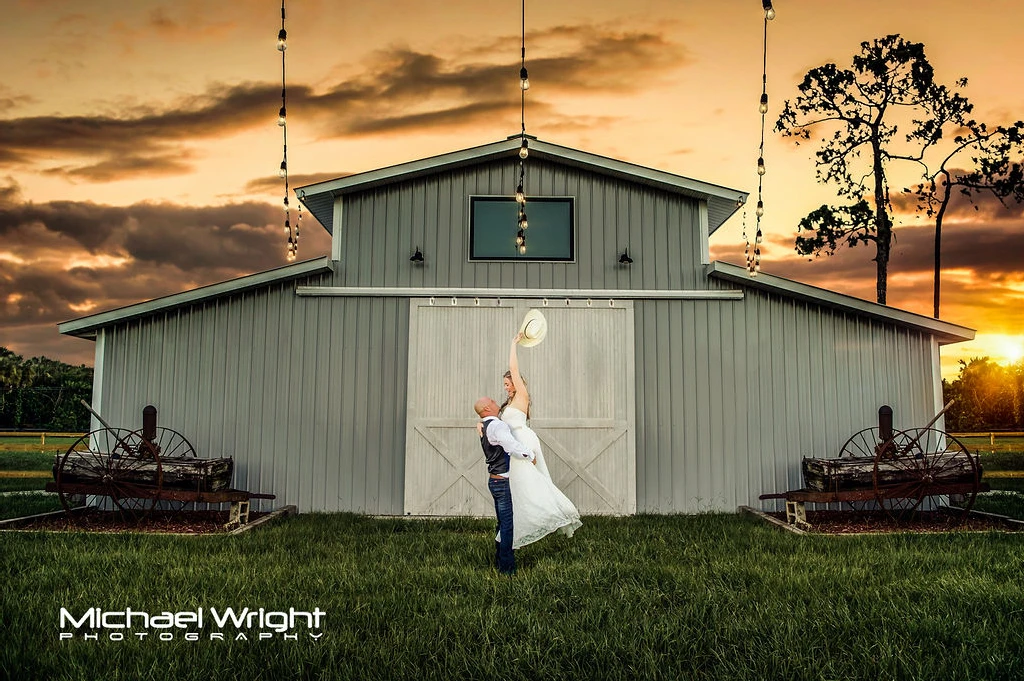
{"x": 994, "y": 171}
{"x": 855, "y": 114}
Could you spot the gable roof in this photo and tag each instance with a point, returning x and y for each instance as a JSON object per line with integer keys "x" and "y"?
{"x": 944, "y": 332}
{"x": 85, "y": 327}
{"x": 319, "y": 197}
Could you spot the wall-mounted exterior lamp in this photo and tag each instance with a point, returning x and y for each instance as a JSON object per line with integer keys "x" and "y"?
{"x": 417, "y": 257}
{"x": 624, "y": 259}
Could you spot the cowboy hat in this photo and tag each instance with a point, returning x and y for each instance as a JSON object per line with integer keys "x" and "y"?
{"x": 534, "y": 328}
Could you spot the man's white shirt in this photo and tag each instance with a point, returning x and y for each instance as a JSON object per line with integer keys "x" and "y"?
{"x": 501, "y": 435}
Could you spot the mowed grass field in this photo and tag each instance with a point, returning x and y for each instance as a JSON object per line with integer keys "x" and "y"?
{"x": 25, "y": 466}
{"x": 670, "y": 597}
{"x": 1002, "y": 462}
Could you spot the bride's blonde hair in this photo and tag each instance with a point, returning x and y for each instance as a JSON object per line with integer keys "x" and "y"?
{"x": 508, "y": 398}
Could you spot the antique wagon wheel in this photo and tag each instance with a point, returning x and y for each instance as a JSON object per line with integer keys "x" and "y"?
{"x": 932, "y": 463}
{"x": 866, "y": 444}
{"x": 113, "y": 462}
{"x": 170, "y": 445}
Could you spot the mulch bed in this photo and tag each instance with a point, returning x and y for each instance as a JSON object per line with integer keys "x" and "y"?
{"x": 858, "y": 522}
{"x": 157, "y": 522}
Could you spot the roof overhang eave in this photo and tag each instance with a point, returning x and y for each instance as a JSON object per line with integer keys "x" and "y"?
{"x": 944, "y": 333}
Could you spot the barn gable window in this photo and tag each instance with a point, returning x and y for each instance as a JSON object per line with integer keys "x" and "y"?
{"x": 493, "y": 223}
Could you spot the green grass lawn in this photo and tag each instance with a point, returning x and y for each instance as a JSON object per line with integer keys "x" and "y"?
{"x": 673, "y": 597}
{"x": 1002, "y": 502}
{"x": 31, "y": 441}
{"x": 27, "y": 454}
{"x": 22, "y": 484}
{"x": 1006, "y": 454}
{"x": 26, "y": 461}
{"x": 21, "y": 505}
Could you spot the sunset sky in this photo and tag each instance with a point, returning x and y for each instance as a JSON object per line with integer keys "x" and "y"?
{"x": 139, "y": 145}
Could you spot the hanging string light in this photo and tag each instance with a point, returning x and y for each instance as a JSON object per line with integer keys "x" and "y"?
{"x": 748, "y": 258}
{"x": 282, "y": 120}
{"x": 753, "y": 255}
{"x": 524, "y": 149}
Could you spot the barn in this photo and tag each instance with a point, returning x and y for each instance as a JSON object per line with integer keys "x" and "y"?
{"x": 667, "y": 383}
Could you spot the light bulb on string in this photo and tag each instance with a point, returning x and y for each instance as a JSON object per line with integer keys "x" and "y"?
{"x": 522, "y": 249}
{"x": 524, "y": 79}
{"x": 769, "y": 11}
{"x": 520, "y": 197}
{"x": 763, "y": 105}
{"x": 760, "y": 165}
{"x": 520, "y": 238}
{"x": 281, "y": 117}
{"x": 760, "y": 208}
{"x": 282, "y": 40}
{"x": 524, "y": 150}
{"x": 284, "y": 169}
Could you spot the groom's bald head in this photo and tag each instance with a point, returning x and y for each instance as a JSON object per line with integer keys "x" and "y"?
{"x": 485, "y": 407}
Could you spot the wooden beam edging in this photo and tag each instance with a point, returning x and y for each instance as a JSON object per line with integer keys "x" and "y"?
{"x": 1012, "y": 522}
{"x": 774, "y": 521}
{"x": 510, "y": 293}
{"x": 291, "y": 509}
{"x": 25, "y": 520}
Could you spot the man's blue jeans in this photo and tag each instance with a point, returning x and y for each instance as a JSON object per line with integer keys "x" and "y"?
{"x": 503, "y": 509}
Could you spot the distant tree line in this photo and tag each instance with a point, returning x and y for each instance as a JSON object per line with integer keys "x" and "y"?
{"x": 989, "y": 396}
{"x": 43, "y": 394}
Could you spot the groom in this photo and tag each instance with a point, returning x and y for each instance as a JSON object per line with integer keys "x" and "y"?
{"x": 499, "y": 446}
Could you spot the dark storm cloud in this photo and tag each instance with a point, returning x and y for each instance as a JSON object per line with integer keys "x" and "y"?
{"x": 458, "y": 115}
{"x": 273, "y": 183}
{"x": 986, "y": 286}
{"x": 52, "y": 264}
{"x": 90, "y": 225}
{"x": 987, "y": 249}
{"x": 221, "y": 110}
{"x": 399, "y": 90}
{"x": 242, "y": 236}
{"x": 125, "y": 166}
{"x": 981, "y": 206}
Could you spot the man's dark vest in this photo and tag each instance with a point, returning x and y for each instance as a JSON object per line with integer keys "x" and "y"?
{"x": 497, "y": 458}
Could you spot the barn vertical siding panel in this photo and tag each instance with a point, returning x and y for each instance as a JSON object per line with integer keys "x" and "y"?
{"x": 257, "y": 377}
{"x": 382, "y": 226}
{"x": 732, "y": 394}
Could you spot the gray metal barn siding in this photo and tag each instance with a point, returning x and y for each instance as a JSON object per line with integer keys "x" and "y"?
{"x": 730, "y": 394}
{"x": 381, "y": 227}
{"x": 307, "y": 394}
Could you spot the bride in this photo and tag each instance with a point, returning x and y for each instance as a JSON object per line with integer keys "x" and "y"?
{"x": 538, "y": 506}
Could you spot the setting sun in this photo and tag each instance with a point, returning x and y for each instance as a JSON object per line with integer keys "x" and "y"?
{"x": 1009, "y": 348}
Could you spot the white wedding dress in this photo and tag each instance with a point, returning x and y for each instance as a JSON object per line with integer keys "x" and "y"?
{"x": 538, "y": 506}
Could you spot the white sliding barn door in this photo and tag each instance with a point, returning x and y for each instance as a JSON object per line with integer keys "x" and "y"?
{"x": 581, "y": 381}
